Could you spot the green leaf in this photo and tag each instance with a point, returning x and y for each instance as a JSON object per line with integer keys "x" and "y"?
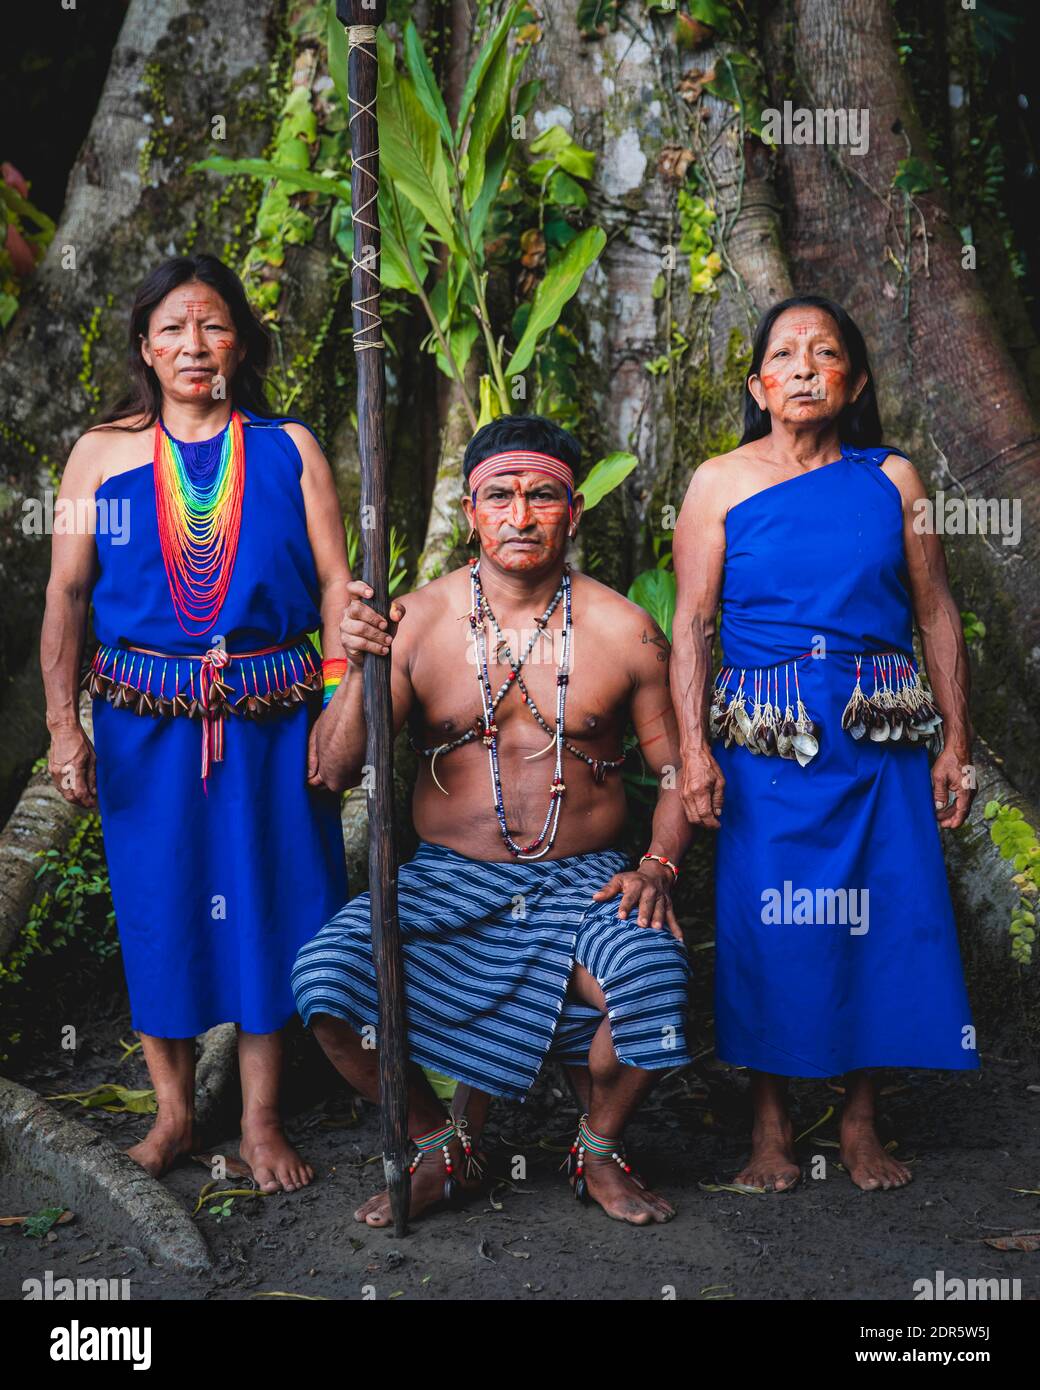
{"x": 339, "y": 54}
{"x": 284, "y": 173}
{"x": 460, "y": 340}
{"x": 37, "y": 1226}
{"x": 912, "y": 175}
{"x": 114, "y": 1098}
{"x": 713, "y": 12}
{"x": 605, "y": 476}
{"x": 565, "y": 192}
{"x": 497, "y": 158}
{"x": 493, "y": 105}
{"x": 655, "y": 590}
{"x": 561, "y": 149}
{"x": 555, "y": 290}
{"x": 484, "y": 59}
{"x": 426, "y": 88}
{"x": 402, "y": 226}
{"x": 8, "y": 308}
{"x": 410, "y": 149}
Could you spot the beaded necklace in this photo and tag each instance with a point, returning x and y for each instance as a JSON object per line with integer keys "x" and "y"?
{"x": 199, "y": 514}
{"x": 600, "y": 766}
{"x": 481, "y": 608}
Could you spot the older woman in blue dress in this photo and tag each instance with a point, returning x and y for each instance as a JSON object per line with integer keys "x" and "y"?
{"x": 836, "y": 945}
{"x": 224, "y": 849}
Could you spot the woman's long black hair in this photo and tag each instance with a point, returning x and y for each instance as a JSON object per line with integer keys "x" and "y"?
{"x": 144, "y": 395}
{"x": 859, "y": 424}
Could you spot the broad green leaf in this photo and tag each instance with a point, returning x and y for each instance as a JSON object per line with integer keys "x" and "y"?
{"x": 526, "y": 95}
{"x": 409, "y": 229}
{"x": 267, "y": 169}
{"x": 426, "y": 88}
{"x": 605, "y": 476}
{"x": 484, "y": 58}
{"x": 556, "y": 289}
{"x": 410, "y": 149}
{"x": 558, "y": 145}
{"x": 492, "y": 107}
{"x": 460, "y": 340}
{"x": 497, "y": 159}
{"x": 566, "y": 192}
{"x": 339, "y": 54}
{"x": 297, "y": 131}
{"x": 654, "y": 590}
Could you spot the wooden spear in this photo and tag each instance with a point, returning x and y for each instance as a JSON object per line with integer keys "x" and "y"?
{"x": 360, "y": 18}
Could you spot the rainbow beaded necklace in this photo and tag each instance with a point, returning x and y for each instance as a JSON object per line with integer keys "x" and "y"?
{"x": 199, "y": 520}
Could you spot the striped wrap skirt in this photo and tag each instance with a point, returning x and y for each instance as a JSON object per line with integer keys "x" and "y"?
{"x": 488, "y": 951}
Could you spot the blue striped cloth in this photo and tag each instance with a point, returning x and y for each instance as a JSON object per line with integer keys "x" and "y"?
{"x": 488, "y": 950}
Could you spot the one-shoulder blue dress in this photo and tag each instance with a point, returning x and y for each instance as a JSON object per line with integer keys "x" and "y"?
{"x": 836, "y": 942}
{"x": 216, "y": 882}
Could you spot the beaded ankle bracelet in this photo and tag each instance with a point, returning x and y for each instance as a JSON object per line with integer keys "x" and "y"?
{"x": 441, "y": 1139}
{"x": 600, "y": 1146}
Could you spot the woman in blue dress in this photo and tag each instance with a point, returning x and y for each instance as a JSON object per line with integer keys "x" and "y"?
{"x": 208, "y": 538}
{"x": 808, "y": 749}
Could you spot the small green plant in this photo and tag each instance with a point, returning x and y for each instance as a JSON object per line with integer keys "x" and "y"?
{"x": 77, "y": 902}
{"x": 1016, "y": 839}
{"x": 974, "y": 629}
{"x": 398, "y": 550}
{"x": 36, "y": 1227}
{"x": 222, "y": 1210}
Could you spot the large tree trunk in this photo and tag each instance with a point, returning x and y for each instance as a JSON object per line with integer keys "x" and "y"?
{"x": 951, "y": 394}
{"x": 130, "y": 202}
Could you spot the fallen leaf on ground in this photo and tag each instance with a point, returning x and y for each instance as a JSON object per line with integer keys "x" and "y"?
{"x": 1028, "y": 1241}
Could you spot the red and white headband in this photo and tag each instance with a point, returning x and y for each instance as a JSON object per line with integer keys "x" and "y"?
{"x": 513, "y": 460}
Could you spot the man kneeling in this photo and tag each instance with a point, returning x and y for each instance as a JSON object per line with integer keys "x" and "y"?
{"x": 524, "y": 933}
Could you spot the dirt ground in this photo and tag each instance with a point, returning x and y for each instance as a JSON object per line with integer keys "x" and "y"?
{"x": 970, "y": 1139}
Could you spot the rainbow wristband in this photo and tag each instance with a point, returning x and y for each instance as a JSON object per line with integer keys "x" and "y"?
{"x": 332, "y": 672}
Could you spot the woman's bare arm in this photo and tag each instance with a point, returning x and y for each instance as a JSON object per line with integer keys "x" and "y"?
{"x": 73, "y": 575}
{"x": 699, "y": 553}
{"x": 938, "y": 620}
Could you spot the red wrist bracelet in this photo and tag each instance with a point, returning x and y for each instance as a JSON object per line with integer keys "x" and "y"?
{"x": 660, "y": 859}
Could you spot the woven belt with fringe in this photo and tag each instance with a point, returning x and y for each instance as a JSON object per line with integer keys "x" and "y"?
{"x": 207, "y": 687}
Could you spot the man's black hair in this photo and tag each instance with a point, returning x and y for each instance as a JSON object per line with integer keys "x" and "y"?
{"x": 532, "y": 432}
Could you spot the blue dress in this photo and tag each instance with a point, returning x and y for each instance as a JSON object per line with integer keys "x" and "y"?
{"x": 836, "y": 942}
{"x": 216, "y": 885}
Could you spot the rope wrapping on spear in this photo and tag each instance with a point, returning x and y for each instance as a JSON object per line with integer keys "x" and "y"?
{"x": 363, "y": 38}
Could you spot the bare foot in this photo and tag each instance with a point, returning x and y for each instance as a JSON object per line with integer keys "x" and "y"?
{"x": 275, "y": 1163}
{"x": 427, "y": 1189}
{"x": 773, "y": 1166}
{"x": 869, "y": 1165}
{"x": 168, "y": 1140}
{"x": 621, "y": 1196}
